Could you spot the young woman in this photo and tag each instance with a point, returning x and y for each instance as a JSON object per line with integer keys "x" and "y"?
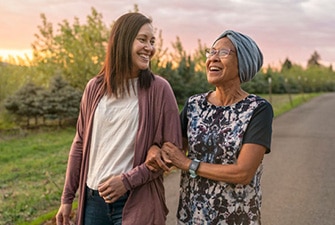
{"x": 125, "y": 110}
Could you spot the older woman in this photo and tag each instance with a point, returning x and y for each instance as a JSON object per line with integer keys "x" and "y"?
{"x": 228, "y": 131}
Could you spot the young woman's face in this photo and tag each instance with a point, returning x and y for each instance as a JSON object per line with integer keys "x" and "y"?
{"x": 143, "y": 48}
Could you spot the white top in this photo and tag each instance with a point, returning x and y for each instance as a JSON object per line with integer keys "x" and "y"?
{"x": 115, "y": 127}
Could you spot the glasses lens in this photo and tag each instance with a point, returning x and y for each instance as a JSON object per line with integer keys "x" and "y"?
{"x": 207, "y": 51}
{"x": 223, "y": 52}
{"x": 210, "y": 52}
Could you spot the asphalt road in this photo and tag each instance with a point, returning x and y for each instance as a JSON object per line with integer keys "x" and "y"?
{"x": 298, "y": 181}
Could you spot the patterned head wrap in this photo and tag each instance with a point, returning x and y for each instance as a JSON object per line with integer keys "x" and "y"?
{"x": 249, "y": 56}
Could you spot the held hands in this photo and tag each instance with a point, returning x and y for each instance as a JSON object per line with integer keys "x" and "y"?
{"x": 112, "y": 189}
{"x": 165, "y": 157}
{"x": 175, "y": 155}
{"x": 157, "y": 159}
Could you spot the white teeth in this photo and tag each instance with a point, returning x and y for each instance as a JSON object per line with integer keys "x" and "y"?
{"x": 214, "y": 68}
{"x": 144, "y": 56}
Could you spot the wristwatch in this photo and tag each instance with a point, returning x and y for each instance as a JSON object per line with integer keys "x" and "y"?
{"x": 194, "y": 167}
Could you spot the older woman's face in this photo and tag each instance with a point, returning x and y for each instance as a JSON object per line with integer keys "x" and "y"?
{"x": 222, "y": 70}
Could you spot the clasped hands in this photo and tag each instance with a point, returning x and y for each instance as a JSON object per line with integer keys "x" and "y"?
{"x": 157, "y": 159}
{"x": 164, "y": 158}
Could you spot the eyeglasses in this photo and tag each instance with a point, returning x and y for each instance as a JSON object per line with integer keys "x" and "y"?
{"x": 222, "y": 52}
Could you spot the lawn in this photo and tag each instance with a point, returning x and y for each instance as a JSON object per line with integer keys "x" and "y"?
{"x": 33, "y": 166}
{"x": 32, "y": 174}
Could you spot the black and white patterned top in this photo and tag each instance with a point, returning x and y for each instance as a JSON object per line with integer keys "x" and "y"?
{"x": 215, "y": 135}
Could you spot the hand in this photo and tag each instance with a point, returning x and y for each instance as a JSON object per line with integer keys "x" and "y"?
{"x": 63, "y": 214}
{"x": 156, "y": 160}
{"x": 112, "y": 189}
{"x": 175, "y": 155}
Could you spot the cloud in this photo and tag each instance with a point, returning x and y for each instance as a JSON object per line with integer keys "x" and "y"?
{"x": 282, "y": 28}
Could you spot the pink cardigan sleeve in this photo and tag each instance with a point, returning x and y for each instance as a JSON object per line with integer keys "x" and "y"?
{"x": 159, "y": 122}
{"x": 80, "y": 143}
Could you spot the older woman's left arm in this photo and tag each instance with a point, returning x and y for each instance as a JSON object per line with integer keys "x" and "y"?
{"x": 242, "y": 172}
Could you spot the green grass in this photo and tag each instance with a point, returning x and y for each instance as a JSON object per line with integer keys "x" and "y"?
{"x": 284, "y": 102}
{"x": 32, "y": 174}
{"x": 33, "y": 168}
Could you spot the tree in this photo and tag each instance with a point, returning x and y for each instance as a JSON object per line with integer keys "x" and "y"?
{"x": 76, "y": 51}
{"x": 286, "y": 65}
{"x": 182, "y": 71}
{"x": 160, "y": 59}
{"x": 44, "y": 52}
{"x": 314, "y": 60}
{"x": 199, "y": 57}
{"x": 26, "y": 103}
{"x": 61, "y": 101}
{"x": 258, "y": 85}
{"x": 12, "y": 77}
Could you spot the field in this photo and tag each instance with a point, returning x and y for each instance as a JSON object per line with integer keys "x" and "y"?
{"x": 33, "y": 165}
{"x": 32, "y": 174}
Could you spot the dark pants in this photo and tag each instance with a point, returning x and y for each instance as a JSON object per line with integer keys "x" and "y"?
{"x": 98, "y": 212}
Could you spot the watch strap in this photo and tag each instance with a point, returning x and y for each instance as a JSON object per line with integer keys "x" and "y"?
{"x": 193, "y": 168}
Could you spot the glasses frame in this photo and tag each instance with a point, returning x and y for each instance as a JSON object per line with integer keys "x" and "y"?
{"x": 223, "y": 52}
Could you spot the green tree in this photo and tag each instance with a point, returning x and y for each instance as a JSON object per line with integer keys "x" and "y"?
{"x": 183, "y": 71}
{"x": 314, "y": 60}
{"x": 286, "y": 65}
{"x": 11, "y": 77}
{"x": 61, "y": 101}
{"x": 159, "y": 60}
{"x": 199, "y": 57}
{"x": 44, "y": 53}
{"x": 26, "y": 103}
{"x": 258, "y": 85}
{"x": 76, "y": 51}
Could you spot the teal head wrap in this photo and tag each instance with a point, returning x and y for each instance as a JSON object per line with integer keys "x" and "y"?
{"x": 249, "y": 56}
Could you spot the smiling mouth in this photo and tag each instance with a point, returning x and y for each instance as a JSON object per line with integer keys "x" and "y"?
{"x": 214, "y": 68}
{"x": 145, "y": 57}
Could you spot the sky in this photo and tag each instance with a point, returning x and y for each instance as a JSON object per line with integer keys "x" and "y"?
{"x": 291, "y": 29}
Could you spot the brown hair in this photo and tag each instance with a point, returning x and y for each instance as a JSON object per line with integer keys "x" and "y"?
{"x": 118, "y": 61}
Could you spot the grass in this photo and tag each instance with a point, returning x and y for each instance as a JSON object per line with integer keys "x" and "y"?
{"x": 33, "y": 167}
{"x": 284, "y": 102}
{"x": 32, "y": 174}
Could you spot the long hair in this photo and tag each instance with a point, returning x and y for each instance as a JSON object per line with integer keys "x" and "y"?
{"x": 118, "y": 64}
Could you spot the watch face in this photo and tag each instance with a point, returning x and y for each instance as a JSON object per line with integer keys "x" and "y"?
{"x": 193, "y": 166}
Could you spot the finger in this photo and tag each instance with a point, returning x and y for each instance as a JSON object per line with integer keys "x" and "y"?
{"x": 167, "y": 144}
{"x": 111, "y": 198}
{"x": 102, "y": 187}
{"x": 104, "y": 193}
{"x": 152, "y": 168}
{"x": 166, "y": 149}
{"x": 166, "y": 157}
{"x": 105, "y": 184}
{"x": 162, "y": 165}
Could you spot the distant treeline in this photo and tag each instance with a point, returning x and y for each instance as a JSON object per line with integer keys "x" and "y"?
{"x": 49, "y": 85}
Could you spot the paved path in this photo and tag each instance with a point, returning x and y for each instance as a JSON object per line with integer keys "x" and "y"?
{"x": 298, "y": 181}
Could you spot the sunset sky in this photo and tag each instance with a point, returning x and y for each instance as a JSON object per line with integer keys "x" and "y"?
{"x": 283, "y": 29}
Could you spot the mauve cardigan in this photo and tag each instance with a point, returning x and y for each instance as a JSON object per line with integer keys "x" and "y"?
{"x": 158, "y": 122}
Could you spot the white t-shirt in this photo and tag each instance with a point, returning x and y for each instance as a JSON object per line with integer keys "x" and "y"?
{"x": 115, "y": 127}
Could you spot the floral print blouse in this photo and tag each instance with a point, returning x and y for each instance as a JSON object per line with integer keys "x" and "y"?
{"x": 215, "y": 135}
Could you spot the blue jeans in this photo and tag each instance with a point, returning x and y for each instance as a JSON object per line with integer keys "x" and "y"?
{"x": 98, "y": 212}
